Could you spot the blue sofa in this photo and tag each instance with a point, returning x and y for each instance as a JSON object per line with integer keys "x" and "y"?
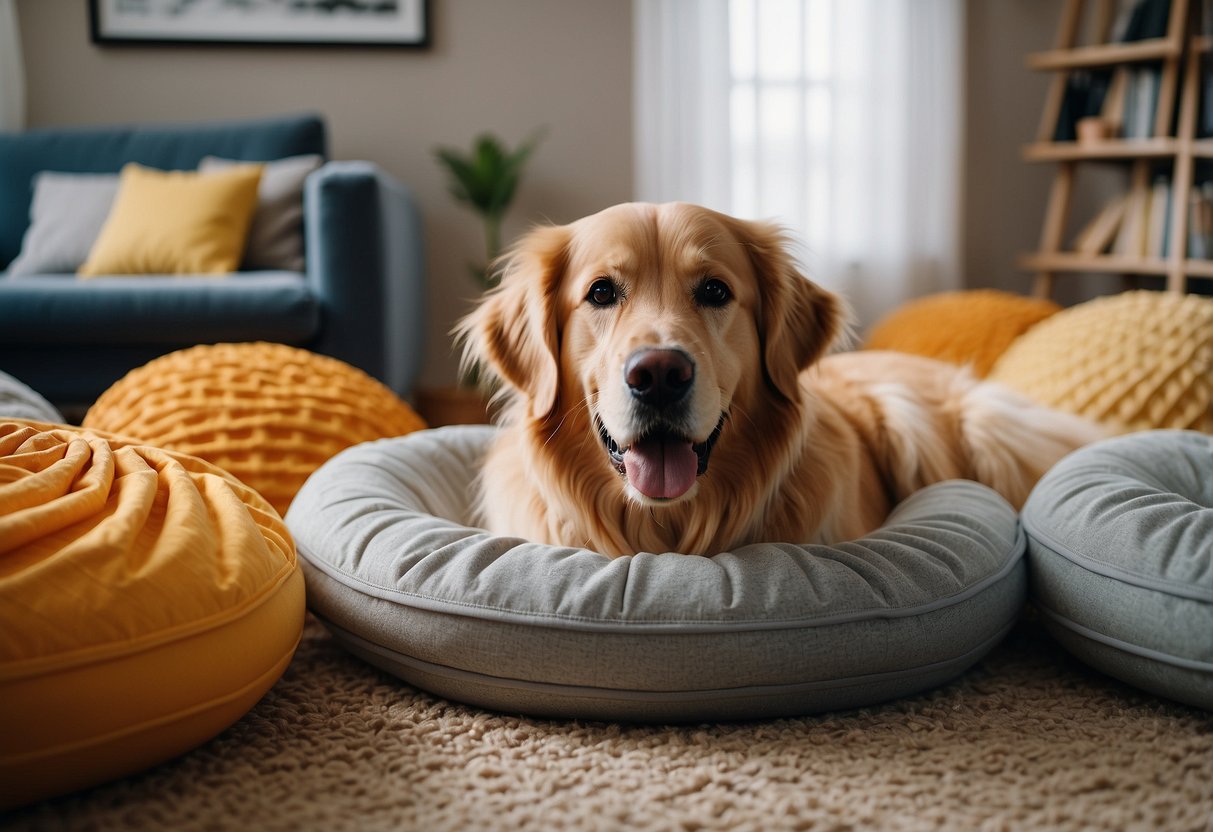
{"x": 360, "y": 298}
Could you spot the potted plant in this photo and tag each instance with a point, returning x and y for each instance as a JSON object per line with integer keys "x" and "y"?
{"x": 484, "y": 179}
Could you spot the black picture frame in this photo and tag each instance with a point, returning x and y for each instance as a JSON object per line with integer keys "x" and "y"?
{"x": 339, "y": 23}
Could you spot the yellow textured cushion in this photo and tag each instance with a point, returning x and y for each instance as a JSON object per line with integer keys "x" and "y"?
{"x": 1138, "y": 360}
{"x": 268, "y": 413}
{"x": 147, "y": 600}
{"x": 176, "y": 222}
{"x": 971, "y": 327}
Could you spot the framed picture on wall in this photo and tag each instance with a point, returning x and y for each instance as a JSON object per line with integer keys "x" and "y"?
{"x": 261, "y": 22}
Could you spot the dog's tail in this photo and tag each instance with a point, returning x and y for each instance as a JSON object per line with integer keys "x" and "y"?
{"x": 1011, "y": 441}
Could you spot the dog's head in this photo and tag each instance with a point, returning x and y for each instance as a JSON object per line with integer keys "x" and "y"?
{"x": 649, "y": 325}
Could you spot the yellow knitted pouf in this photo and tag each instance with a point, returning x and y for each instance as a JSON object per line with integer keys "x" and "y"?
{"x": 1137, "y": 360}
{"x": 970, "y": 327}
{"x": 268, "y": 413}
{"x": 148, "y": 599}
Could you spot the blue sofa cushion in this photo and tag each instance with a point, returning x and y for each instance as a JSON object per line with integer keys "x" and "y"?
{"x": 154, "y": 309}
{"x": 165, "y": 146}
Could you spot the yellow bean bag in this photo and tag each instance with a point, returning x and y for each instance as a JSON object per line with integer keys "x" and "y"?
{"x": 147, "y": 601}
{"x": 970, "y": 327}
{"x": 268, "y": 413}
{"x": 1137, "y": 360}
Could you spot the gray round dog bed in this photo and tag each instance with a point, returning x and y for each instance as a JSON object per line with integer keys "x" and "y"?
{"x": 19, "y": 401}
{"x": 1121, "y": 552}
{"x": 398, "y": 572}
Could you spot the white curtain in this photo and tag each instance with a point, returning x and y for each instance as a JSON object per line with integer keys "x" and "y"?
{"x": 839, "y": 118}
{"x": 12, "y": 71}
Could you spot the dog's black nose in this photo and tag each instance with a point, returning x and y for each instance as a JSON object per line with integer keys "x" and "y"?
{"x": 659, "y": 377}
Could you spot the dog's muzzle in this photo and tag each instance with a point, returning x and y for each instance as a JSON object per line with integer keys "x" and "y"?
{"x": 662, "y": 464}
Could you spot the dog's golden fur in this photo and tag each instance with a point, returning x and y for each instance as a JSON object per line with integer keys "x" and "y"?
{"x": 811, "y": 448}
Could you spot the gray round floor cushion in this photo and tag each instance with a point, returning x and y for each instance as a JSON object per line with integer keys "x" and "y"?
{"x": 1121, "y": 552}
{"x": 400, "y": 575}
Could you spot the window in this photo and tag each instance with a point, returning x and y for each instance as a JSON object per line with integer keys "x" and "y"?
{"x": 838, "y": 118}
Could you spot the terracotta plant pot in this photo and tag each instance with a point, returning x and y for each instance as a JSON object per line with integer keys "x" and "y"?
{"x": 452, "y": 405}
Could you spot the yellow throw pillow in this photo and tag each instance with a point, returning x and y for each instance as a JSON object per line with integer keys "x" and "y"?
{"x": 176, "y": 222}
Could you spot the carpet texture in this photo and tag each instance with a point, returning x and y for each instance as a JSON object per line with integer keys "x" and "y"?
{"x": 1026, "y": 740}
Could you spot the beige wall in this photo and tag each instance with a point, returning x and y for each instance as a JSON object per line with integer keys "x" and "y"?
{"x": 509, "y": 67}
{"x": 512, "y": 67}
{"x": 1004, "y": 197}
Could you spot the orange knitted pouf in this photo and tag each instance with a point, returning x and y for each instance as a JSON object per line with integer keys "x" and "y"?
{"x": 970, "y": 327}
{"x": 268, "y": 413}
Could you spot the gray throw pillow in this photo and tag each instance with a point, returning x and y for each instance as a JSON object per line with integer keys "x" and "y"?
{"x": 275, "y": 238}
{"x": 66, "y": 216}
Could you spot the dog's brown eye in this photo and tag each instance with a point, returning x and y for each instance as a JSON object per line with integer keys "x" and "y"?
{"x": 602, "y": 293}
{"x": 712, "y": 292}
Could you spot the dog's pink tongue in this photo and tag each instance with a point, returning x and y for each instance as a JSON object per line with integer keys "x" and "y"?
{"x": 661, "y": 469}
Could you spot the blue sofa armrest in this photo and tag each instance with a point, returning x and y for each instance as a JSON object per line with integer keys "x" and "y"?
{"x": 366, "y": 264}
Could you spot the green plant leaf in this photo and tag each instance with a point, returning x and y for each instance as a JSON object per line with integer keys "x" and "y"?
{"x": 463, "y": 182}
{"x": 486, "y": 179}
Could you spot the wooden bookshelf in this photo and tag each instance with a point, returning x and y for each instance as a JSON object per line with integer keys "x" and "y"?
{"x": 1118, "y": 149}
{"x": 1104, "y": 54}
{"x": 1066, "y": 261}
{"x": 1171, "y": 143}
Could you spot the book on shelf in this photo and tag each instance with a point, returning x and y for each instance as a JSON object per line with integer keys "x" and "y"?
{"x": 1138, "y": 101}
{"x": 1204, "y": 126}
{"x": 1084, "y": 96}
{"x": 1158, "y": 217}
{"x": 1097, "y": 235}
{"x": 1131, "y": 238}
{"x": 1133, "y": 224}
{"x": 1141, "y": 20}
{"x": 1200, "y": 222}
{"x": 1114, "y": 102}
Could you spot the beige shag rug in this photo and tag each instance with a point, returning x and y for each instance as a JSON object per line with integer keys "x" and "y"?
{"x": 1027, "y": 740}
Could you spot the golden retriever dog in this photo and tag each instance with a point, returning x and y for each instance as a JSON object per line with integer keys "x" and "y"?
{"x": 666, "y": 388}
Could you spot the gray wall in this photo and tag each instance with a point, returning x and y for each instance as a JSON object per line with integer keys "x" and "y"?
{"x": 509, "y": 67}
{"x": 512, "y": 67}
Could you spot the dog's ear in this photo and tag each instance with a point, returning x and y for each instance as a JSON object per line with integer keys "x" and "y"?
{"x": 798, "y": 321}
{"x": 514, "y": 332}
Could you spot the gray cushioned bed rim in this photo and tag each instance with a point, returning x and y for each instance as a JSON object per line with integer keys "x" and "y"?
{"x": 1122, "y": 645}
{"x": 316, "y": 566}
{"x": 1120, "y": 541}
{"x": 802, "y": 628}
{"x": 582, "y": 702}
{"x": 1128, "y": 577}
